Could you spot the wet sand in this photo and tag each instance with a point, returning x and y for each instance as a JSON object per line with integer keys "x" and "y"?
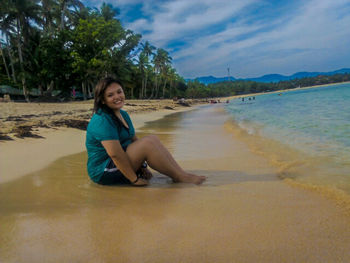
{"x": 242, "y": 213}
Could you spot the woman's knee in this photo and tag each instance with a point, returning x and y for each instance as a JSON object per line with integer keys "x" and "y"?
{"x": 152, "y": 139}
{"x": 148, "y": 141}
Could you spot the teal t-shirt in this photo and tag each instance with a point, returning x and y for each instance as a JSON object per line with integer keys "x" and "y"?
{"x": 102, "y": 128}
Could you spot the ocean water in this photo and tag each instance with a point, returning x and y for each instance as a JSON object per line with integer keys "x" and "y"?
{"x": 306, "y": 132}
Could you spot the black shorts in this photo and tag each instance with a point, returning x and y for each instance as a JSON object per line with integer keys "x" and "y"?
{"x": 112, "y": 175}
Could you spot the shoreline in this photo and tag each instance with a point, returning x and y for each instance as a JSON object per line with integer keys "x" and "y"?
{"x": 286, "y": 90}
{"x": 242, "y": 213}
{"x": 292, "y": 165}
{"x": 21, "y": 156}
{"x": 296, "y": 167}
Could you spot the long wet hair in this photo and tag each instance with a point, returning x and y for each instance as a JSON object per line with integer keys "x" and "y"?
{"x": 100, "y": 90}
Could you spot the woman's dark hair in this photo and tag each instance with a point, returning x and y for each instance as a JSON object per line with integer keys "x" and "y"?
{"x": 100, "y": 89}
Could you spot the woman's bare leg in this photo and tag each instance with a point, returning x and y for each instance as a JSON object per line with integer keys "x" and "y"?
{"x": 168, "y": 154}
{"x": 158, "y": 157}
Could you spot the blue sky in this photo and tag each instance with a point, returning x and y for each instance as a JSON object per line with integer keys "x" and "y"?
{"x": 251, "y": 37}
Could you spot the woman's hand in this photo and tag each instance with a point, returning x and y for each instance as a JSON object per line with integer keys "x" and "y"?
{"x": 146, "y": 174}
{"x": 140, "y": 182}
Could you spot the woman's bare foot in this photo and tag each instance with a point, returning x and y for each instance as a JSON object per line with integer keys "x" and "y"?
{"x": 191, "y": 178}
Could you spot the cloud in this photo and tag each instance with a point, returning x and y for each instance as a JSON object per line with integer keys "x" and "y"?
{"x": 186, "y": 19}
{"x": 305, "y": 41}
{"x": 252, "y": 37}
{"x": 116, "y": 3}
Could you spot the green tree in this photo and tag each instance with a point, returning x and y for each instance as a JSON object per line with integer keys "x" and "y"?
{"x": 100, "y": 47}
{"x": 49, "y": 12}
{"x": 66, "y": 15}
{"x": 19, "y": 18}
{"x": 6, "y": 27}
{"x": 144, "y": 66}
{"x": 109, "y": 12}
{"x": 2, "y": 45}
{"x": 160, "y": 60}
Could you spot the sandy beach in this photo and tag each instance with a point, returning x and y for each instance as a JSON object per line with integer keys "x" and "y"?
{"x": 52, "y": 212}
{"x": 35, "y": 134}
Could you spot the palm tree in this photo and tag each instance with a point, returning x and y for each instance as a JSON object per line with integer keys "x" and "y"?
{"x": 141, "y": 68}
{"x": 108, "y": 12}
{"x": 161, "y": 61}
{"x": 6, "y": 27}
{"x": 174, "y": 77}
{"x": 49, "y": 13}
{"x": 4, "y": 60}
{"x": 20, "y": 16}
{"x": 147, "y": 51}
{"x": 64, "y": 6}
{"x": 169, "y": 76}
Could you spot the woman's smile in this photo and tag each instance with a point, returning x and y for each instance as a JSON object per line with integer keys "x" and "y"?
{"x": 114, "y": 97}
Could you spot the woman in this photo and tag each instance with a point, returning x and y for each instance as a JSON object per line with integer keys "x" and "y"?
{"x": 115, "y": 154}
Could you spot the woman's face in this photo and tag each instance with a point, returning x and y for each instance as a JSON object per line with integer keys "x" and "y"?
{"x": 114, "y": 96}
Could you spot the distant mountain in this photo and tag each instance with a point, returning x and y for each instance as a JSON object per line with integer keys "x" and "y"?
{"x": 211, "y": 79}
{"x": 272, "y": 77}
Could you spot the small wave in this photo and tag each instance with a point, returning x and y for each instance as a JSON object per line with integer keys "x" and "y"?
{"x": 318, "y": 173}
{"x": 340, "y": 197}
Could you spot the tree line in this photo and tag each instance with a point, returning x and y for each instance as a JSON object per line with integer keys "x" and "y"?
{"x": 60, "y": 44}
{"x": 196, "y": 89}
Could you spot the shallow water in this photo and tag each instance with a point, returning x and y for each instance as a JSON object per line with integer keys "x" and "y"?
{"x": 242, "y": 213}
{"x": 306, "y": 133}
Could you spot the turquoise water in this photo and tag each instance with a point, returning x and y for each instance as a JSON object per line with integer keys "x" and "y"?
{"x": 314, "y": 122}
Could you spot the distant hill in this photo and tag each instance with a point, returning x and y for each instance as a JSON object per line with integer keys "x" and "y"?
{"x": 271, "y": 77}
{"x": 211, "y": 79}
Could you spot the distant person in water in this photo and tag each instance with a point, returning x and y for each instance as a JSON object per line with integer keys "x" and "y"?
{"x": 115, "y": 154}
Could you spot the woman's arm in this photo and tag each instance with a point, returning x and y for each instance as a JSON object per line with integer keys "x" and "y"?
{"x": 121, "y": 160}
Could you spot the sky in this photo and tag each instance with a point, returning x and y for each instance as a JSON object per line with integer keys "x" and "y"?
{"x": 251, "y": 38}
